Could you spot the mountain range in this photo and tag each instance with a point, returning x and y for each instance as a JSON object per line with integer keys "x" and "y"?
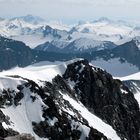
{"x": 99, "y": 41}
{"x": 30, "y": 28}
{"x": 69, "y": 82}
{"x": 119, "y": 60}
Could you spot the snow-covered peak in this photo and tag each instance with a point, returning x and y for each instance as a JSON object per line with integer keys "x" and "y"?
{"x": 103, "y": 19}
{"x": 30, "y": 19}
{"x": 104, "y": 27}
{"x": 44, "y": 71}
{"x": 86, "y": 44}
{"x": 30, "y": 30}
{"x": 60, "y": 43}
{"x": 58, "y": 25}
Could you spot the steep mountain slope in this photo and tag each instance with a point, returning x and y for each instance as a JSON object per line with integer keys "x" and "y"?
{"x": 106, "y": 30}
{"x": 13, "y": 53}
{"x": 116, "y": 66}
{"x": 133, "y": 82}
{"x": 80, "y": 45}
{"x": 120, "y": 60}
{"x": 32, "y": 30}
{"x": 70, "y": 101}
{"x": 117, "y": 59}
{"x": 102, "y": 101}
{"x": 134, "y": 86}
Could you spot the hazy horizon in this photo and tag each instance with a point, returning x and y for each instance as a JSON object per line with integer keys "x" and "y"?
{"x": 70, "y": 11}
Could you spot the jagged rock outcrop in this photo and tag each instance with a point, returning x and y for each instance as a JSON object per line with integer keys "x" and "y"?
{"x": 57, "y": 124}
{"x": 106, "y": 97}
{"x": 5, "y": 132}
{"x": 59, "y": 119}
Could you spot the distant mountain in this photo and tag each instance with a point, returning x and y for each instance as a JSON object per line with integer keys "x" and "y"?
{"x": 80, "y": 45}
{"x": 125, "y": 56}
{"x": 119, "y": 60}
{"x": 127, "y": 53}
{"x": 13, "y": 53}
{"x": 120, "y": 54}
{"x": 105, "y": 26}
{"x": 34, "y": 31}
{"x": 30, "y": 19}
{"x": 1, "y": 19}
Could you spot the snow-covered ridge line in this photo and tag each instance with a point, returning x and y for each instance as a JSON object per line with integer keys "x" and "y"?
{"x": 135, "y": 76}
{"x": 40, "y": 71}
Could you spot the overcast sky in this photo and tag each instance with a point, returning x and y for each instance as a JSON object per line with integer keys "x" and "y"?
{"x": 70, "y": 11}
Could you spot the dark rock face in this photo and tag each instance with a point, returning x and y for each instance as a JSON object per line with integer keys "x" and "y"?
{"x": 50, "y": 31}
{"x": 129, "y": 51}
{"x": 95, "y": 135}
{"x": 5, "y": 132}
{"x": 107, "y": 98}
{"x": 10, "y": 97}
{"x": 62, "y": 128}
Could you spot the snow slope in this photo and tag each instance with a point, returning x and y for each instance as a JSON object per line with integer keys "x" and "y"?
{"x": 83, "y": 44}
{"x": 135, "y": 76}
{"x": 41, "y": 71}
{"x": 93, "y": 120}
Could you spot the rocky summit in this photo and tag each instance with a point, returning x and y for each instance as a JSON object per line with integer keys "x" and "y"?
{"x": 80, "y": 102}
